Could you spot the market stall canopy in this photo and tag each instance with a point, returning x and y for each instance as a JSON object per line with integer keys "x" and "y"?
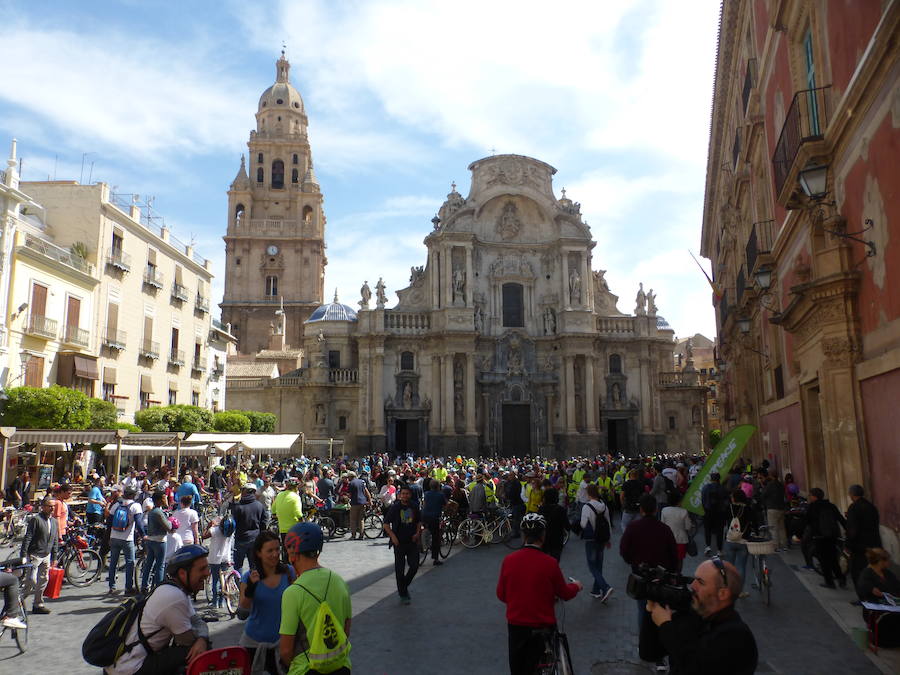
{"x": 258, "y": 444}
{"x": 157, "y": 450}
{"x": 66, "y": 435}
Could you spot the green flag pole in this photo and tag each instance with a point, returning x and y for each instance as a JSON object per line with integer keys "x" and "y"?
{"x": 720, "y": 460}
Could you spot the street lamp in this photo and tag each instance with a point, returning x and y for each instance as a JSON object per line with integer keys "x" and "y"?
{"x": 813, "y": 181}
{"x": 744, "y": 325}
{"x": 764, "y": 278}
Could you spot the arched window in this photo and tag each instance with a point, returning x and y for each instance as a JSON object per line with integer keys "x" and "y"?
{"x": 277, "y": 174}
{"x": 407, "y": 361}
{"x": 513, "y": 306}
{"x": 271, "y": 286}
{"x": 307, "y": 214}
{"x": 260, "y": 177}
{"x": 294, "y": 176}
{"x": 259, "y": 158}
{"x": 615, "y": 363}
{"x": 238, "y": 213}
{"x": 296, "y": 159}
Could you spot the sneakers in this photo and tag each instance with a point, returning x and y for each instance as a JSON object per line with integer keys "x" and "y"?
{"x": 405, "y": 600}
{"x": 113, "y": 591}
{"x": 40, "y": 609}
{"x": 438, "y": 562}
{"x": 662, "y": 667}
{"x": 744, "y": 594}
{"x": 597, "y": 595}
{"x": 12, "y": 622}
{"x": 708, "y": 551}
{"x": 609, "y": 592}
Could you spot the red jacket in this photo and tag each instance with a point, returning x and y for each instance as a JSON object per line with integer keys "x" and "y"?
{"x": 530, "y": 581}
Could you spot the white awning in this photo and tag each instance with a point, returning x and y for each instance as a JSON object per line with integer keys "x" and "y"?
{"x": 63, "y": 436}
{"x": 258, "y": 444}
{"x": 156, "y": 450}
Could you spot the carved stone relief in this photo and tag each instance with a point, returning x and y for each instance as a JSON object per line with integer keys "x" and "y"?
{"x": 508, "y": 224}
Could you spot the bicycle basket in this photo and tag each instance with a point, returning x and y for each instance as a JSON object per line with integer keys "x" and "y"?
{"x": 761, "y": 547}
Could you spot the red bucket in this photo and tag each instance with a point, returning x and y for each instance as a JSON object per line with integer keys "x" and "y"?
{"x": 54, "y": 583}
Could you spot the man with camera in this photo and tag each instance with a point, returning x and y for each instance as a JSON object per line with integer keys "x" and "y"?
{"x": 710, "y": 637}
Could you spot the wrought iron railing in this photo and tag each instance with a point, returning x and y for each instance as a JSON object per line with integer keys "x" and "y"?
{"x": 54, "y": 252}
{"x": 149, "y": 349}
{"x": 117, "y": 258}
{"x": 179, "y": 292}
{"x": 176, "y": 357}
{"x": 805, "y": 121}
{"x": 153, "y": 277}
{"x": 42, "y": 326}
{"x": 201, "y": 303}
{"x": 114, "y": 339}
{"x": 77, "y": 336}
{"x": 759, "y": 243}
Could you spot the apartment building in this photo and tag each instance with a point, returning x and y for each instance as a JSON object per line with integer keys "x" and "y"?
{"x": 136, "y": 305}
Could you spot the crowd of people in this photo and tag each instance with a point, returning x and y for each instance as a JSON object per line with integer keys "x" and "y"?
{"x": 255, "y": 517}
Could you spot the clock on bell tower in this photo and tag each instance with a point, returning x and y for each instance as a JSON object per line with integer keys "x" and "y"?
{"x": 275, "y": 239}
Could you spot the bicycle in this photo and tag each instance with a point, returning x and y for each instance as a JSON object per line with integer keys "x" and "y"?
{"x": 759, "y": 549}
{"x": 556, "y": 659}
{"x": 445, "y": 533}
{"x": 22, "y": 570}
{"x": 373, "y": 524}
{"x": 229, "y": 587}
{"x": 478, "y": 529}
{"x": 13, "y": 525}
{"x": 82, "y": 564}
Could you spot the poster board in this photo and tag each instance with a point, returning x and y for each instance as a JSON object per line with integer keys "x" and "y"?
{"x": 45, "y": 476}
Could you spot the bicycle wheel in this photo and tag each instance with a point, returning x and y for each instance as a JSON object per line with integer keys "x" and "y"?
{"x": 502, "y": 531}
{"x": 20, "y": 635}
{"x": 83, "y": 570}
{"x": 373, "y": 527}
{"x": 328, "y": 526}
{"x": 563, "y": 660}
{"x": 424, "y": 546}
{"x": 446, "y": 540}
{"x": 471, "y": 533}
{"x": 231, "y": 590}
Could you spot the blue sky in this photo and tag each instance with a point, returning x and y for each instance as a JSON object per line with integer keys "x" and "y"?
{"x": 401, "y": 96}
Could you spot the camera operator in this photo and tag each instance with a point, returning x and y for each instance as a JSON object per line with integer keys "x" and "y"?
{"x": 711, "y": 637}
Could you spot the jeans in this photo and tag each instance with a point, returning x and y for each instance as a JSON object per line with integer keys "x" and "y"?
{"x": 736, "y": 554}
{"x": 10, "y": 585}
{"x": 243, "y": 550}
{"x": 434, "y": 526}
{"x": 594, "y": 553}
{"x": 214, "y": 570}
{"x": 117, "y": 546}
{"x": 627, "y": 517}
{"x": 154, "y": 563}
{"x": 518, "y": 512}
{"x": 405, "y": 556}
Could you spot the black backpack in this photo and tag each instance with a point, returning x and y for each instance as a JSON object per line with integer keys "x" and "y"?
{"x": 106, "y": 643}
{"x": 599, "y": 532}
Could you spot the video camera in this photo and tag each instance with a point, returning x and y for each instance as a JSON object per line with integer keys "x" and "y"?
{"x": 660, "y": 586}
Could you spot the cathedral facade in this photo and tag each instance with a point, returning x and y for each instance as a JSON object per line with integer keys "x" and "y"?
{"x": 506, "y": 340}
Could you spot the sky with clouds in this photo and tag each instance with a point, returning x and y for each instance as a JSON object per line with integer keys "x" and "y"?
{"x": 158, "y": 99}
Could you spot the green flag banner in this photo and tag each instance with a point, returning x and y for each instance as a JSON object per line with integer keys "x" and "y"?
{"x": 719, "y": 461}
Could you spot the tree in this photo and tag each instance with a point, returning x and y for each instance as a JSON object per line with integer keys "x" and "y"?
{"x": 103, "y": 414}
{"x": 231, "y": 420}
{"x": 188, "y": 418}
{"x": 260, "y": 422}
{"x": 130, "y": 427}
{"x": 47, "y": 408}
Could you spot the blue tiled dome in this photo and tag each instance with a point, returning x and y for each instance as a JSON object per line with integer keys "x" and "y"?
{"x": 333, "y": 311}
{"x": 661, "y": 323}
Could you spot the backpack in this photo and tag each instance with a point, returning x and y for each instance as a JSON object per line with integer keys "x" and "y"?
{"x": 735, "y": 532}
{"x": 672, "y": 492}
{"x": 228, "y": 525}
{"x": 328, "y": 643}
{"x": 600, "y": 532}
{"x": 828, "y": 524}
{"x": 105, "y": 644}
{"x": 121, "y": 518}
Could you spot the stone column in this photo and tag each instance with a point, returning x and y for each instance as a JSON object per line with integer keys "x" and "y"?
{"x": 434, "y": 257}
{"x": 486, "y": 418}
{"x": 646, "y": 396}
{"x": 567, "y": 304}
{"x": 448, "y": 276}
{"x": 590, "y": 405}
{"x": 470, "y": 295}
{"x": 377, "y": 392}
{"x": 470, "y": 394}
{"x": 587, "y": 283}
{"x": 570, "y": 394}
{"x": 551, "y": 415}
{"x": 437, "y": 418}
{"x": 448, "y": 393}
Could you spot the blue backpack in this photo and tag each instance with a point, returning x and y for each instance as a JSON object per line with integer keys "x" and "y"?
{"x": 121, "y": 518}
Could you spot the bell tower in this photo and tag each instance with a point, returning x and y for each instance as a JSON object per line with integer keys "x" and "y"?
{"x": 275, "y": 236}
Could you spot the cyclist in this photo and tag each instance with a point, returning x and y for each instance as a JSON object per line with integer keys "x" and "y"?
{"x": 529, "y": 583}
{"x": 173, "y": 632}
{"x": 288, "y": 506}
{"x": 187, "y": 487}
{"x": 9, "y": 583}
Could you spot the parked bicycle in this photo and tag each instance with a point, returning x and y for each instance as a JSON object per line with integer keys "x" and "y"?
{"x": 12, "y": 527}
{"x": 82, "y": 564}
{"x": 446, "y": 534}
{"x": 229, "y": 587}
{"x": 488, "y": 528}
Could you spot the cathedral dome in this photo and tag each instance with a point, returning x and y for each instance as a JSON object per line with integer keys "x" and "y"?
{"x": 282, "y": 95}
{"x": 332, "y": 311}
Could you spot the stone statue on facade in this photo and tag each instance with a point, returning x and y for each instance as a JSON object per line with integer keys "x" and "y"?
{"x": 616, "y": 395}
{"x": 459, "y": 287}
{"x": 514, "y": 360}
{"x": 651, "y": 303}
{"x": 380, "y": 297}
{"x": 321, "y": 418}
{"x": 508, "y": 225}
{"x": 479, "y": 318}
{"x": 600, "y": 280}
{"x": 407, "y": 395}
{"x": 366, "y": 294}
{"x": 640, "y": 301}
{"x": 549, "y": 321}
{"x": 574, "y": 287}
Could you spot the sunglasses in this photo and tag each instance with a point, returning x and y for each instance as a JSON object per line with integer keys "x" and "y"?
{"x": 717, "y": 561}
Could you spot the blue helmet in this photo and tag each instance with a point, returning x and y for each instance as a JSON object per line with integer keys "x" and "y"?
{"x": 304, "y": 537}
{"x": 185, "y": 557}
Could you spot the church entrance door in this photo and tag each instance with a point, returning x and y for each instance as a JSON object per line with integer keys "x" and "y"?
{"x": 617, "y": 435}
{"x": 516, "y": 429}
{"x": 407, "y": 436}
